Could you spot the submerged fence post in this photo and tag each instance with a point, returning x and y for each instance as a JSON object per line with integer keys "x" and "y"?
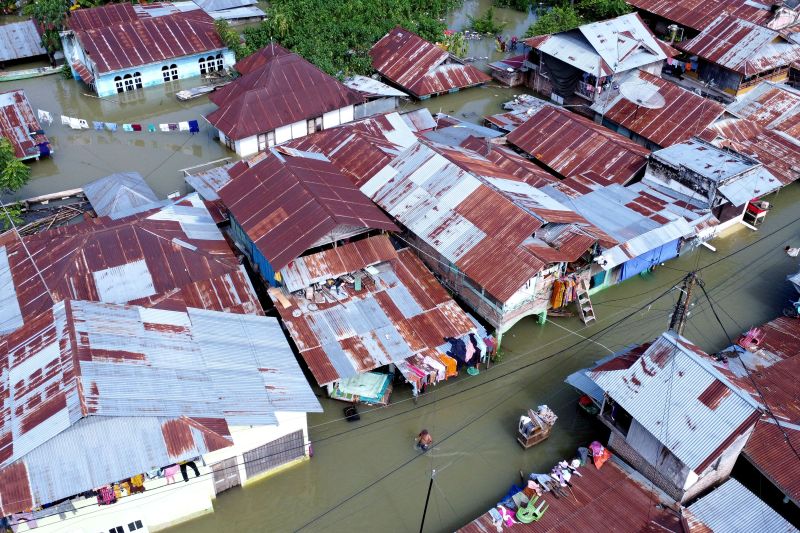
{"x": 427, "y": 499}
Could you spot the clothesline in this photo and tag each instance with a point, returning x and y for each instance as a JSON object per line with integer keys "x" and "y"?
{"x": 191, "y": 126}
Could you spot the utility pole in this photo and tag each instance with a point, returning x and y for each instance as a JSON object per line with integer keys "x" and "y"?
{"x": 678, "y": 320}
{"x": 427, "y": 499}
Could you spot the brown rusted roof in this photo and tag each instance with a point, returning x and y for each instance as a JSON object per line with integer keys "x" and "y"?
{"x": 609, "y": 497}
{"x": 288, "y": 203}
{"x": 259, "y": 58}
{"x": 17, "y": 121}
{"x": 116, "y": 37}
{"x": 698, "y": 14}
{"x": 768, "y": 450}
{"x": 684, "y": 114}
{"x": 83, "y": 72}
{"x": 398, "y": 312}
{"x": 421, "y": 67}
{"x": 156, "y": 259}
{"x": 284, "y": 90}
{"x": 771, "y": 105}
{"x": 572, "y": 145}
{"x": 742, "y": 46}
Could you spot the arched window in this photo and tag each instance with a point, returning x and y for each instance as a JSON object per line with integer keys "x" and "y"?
{"x": 210, "y": 63}
{"x": 128, "y": 80}
{"x": 137, "y": 79}
{"x": 165, "y": 73}
{"x": 118, "y": 84}
{"x": 173, "y": 71}
{"x": 202, "y": 62}
{"x": 220, "y": 62}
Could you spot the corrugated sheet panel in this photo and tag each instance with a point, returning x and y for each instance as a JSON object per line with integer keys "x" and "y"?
{"x": 10, "y": 313}
{"x": 742, "y": 46}
{"x": 768, "y": 450}
{"x": 752, "y": 185}
{"x": 20, "y": 40}
{"x": 123, "y": 193}
{"x": 217, "y": 5}
{"x": 731, "y": 507}
{"x": 357, "y": 331}
{"x": 609, "y": 496}
{"x": 17, "y": 122}
{"x": 661, "y": 392}
{"x": 698, "y": 14}
{"x": 769, "y": 105}
{"x": 288, "y": 204}
{"x": 285, "y": 89}
{"x": 572, "y": 145}
{"x": 370, "y": 87}
{"x": 684, "y": 115}
{"x": 421, "y": 67}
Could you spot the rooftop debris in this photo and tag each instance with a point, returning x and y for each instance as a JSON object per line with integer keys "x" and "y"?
{"x": 20, "y": 126}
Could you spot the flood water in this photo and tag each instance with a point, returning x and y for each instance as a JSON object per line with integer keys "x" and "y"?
{"x": 367, "y": 475}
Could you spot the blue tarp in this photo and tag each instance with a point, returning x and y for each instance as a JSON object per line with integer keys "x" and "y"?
{"x": 639, "y": 264}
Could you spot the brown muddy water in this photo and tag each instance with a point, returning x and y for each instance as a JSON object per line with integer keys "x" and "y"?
{"x": 367, "y": 475}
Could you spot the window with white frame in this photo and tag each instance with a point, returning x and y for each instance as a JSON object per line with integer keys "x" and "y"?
{"x": 137, "y": 80}
{"x": 119, "y": 85}
{"x": 202, "y": 62}
{"x": 266, "y": 140}
{"x": 173, "y": 71}
{"x": 220, "y": 62}
{"x": 165, "y": 73}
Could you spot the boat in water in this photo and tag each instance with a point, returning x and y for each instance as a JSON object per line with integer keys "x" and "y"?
{"x": 12, "y": 75}
{"x": 195, "y": 92}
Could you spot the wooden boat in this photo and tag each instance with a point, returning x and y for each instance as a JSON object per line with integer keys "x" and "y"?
{"x": 195, "y": 92}
{"x": 535, "y": 427}
{"x": 11, "y": 75}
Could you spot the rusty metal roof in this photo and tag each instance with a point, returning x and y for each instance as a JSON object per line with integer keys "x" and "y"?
{"x": 83, "y": 72}
{"x": 17, "y": 122}
{"x": 509, "y": 163}
{"x": 675, "y": 373}
{"x": 699, "y": 14}
{"x": 259, "y": 58}
{"x": 742, "y": 46}
{"x": 420, "y": 67}
{"x": 610, "y": 496}
{"x": 153, "y": 255}
{"x": 684, "y": 115}
{"x": 770, "y": 105}
{"x": 572, "y": 145}
{"x": 285, "y": 90}
{"x": 400, "y": 310}
{"x": 776, "y": 150}
{"x": 66, "y": 386}
{"x": 288, "y": 204}
{"x": 20, "y": 40}
{"x": 116, "y": 37}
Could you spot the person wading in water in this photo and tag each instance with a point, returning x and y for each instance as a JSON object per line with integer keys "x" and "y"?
{"x": 424, "y": 440}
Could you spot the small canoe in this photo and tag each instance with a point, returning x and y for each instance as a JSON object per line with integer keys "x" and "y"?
{"x": 195, "y": 92}
{"x": 12, "y": 75}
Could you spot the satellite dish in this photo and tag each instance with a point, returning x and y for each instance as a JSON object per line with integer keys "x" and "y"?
{"x": 642, "y": 94}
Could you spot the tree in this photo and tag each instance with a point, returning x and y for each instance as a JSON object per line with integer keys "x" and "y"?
{"x": 231, "y": 39}
{"x": 13, "y": 172}
{"x": 592, "y": 10}
{"x": 486, "y": 23}
{"x": 50, "y": 14}
{"x": 11, "y": 216}
{"x": 557, "y": 19}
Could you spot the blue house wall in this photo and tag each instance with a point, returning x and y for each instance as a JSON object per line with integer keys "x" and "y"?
{"x": 253, "y": 253}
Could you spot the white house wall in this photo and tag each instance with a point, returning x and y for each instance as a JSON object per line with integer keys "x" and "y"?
{"x": 299, "y": 129}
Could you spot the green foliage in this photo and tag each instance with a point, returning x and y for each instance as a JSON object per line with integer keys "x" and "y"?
{"x": 66, "y": 72}
{"x": 519, "y": 5}
{"x": 336, "y": 35}
{"x": 454, "y": 43}
{"x": 13, "y": 172}
{"x": 486, "y": 23}
{"x": 559, "y": 18}
{"x": 592, "y": 10}
{"x": 50, "y": 14}
{"x": 12, "y": 212}
{"x": 231, "y": 39}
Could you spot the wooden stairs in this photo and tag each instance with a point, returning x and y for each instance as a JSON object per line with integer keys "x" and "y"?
{"x": 585, "y": 308}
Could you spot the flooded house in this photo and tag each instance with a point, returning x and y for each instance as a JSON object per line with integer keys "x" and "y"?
{"x": 587, "y": 61}
{"x": 421, "y": 68}
{"x": 734, "y": 55}
{"x": 279, "y": 97}
{"x": 674, "y": 416}
{"x": 21, "y": 127}
{"x": 654, "y": 112}
{"x": 20, "y": 41}
{"x": 119, "y": 48}
{"x": 569, "y": 145}
{"x": 120, "y": 195}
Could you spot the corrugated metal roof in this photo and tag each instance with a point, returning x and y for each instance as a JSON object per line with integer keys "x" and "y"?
{"x": 77, "y": 362}
{"x": 259, "y": 58}
{"x": 236, "y": 13}
{"x": 770, "y": 105}
{"x": 684, "y": 115}
{"x": 731, "y": 508}
{"x": 17, "y": 121}
{"x": 284, "y": 90}
{"x": 698, "y": 14}
{"x": 64, "y": 261}
{"x": 120, "y": 195}
{"x": 20, "y": 40}
{"x": 116, "y": 37}
{"x": 605, "y": 47}
{"x": 510, "y": 164}
{"x": 742, "y": 46}
{"x": 421, "y": 67}
{"x": 662, "y": 393}
{"x": 370, "y": 87}
{"x": 572, "y": 145}
{"x": 609, "y": 499}
{"x": 217, "y": 5}
{"x": 768, "y": 450}
{"x": 287, "y": 204}
{"x": 399, "y": 312}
